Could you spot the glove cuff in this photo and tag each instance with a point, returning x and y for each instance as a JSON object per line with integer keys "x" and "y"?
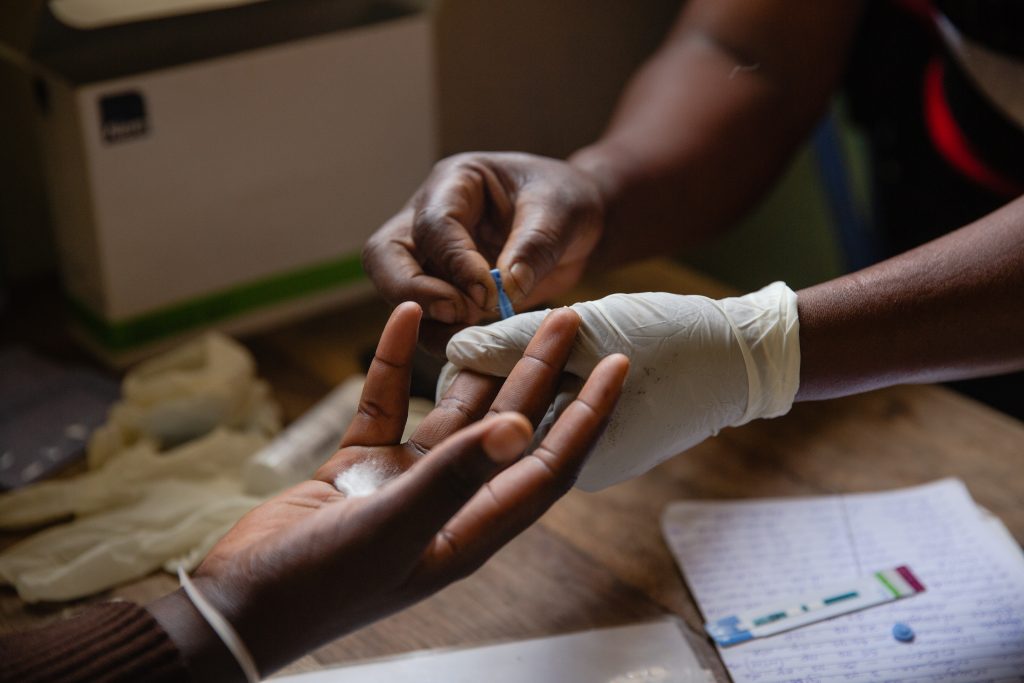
{"x": 767, "y": 329}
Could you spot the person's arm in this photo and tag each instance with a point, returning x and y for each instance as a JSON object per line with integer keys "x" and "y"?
{"x": 702, "y": 130}
{"x": 950, "y": 309}
{"x": 312, "y": 564}
{"x": 116, "y": 642}
{"x": 709, "y": 122}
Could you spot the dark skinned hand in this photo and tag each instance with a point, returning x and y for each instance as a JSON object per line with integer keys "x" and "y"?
{"x": 537, "y": 219}
{"x": 311, "y": 565}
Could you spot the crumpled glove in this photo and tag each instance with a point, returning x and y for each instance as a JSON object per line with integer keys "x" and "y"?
{"x": 697, "y": 365}
{"x": 122, "y": 480}
{"x": 165, "y": 477}
{"x": 140, "y": 511}
{"x": 185, "y": 393}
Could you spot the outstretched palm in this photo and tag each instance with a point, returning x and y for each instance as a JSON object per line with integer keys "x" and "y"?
{"x": 312, "y": 564}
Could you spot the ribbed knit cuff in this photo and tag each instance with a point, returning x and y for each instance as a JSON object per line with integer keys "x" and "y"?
{"x": 111, "y": 642}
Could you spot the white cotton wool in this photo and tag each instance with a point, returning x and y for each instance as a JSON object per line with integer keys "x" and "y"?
{"x": 362, "y": 479}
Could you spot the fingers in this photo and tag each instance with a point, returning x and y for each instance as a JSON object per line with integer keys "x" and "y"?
{"x": 516, "y": 497}
{"x": 467, "y": 400}
{"x": 448, "y": 212}
{"x": 528, "y": 389}
{"x": 533, "y": 381}
{"x": 496, "y": 348}
{"x": 425, "y": 497}
{"x": 559, "y": 218}
{"x": 384, "y": 404}
{"x": 390, "y": 260}
{"x": 538, "y": 239}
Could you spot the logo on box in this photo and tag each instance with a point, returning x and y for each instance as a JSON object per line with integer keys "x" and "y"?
{"x": 123, "y": 117}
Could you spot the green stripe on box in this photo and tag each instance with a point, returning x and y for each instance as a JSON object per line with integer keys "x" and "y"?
{"x": 212, "y": 308}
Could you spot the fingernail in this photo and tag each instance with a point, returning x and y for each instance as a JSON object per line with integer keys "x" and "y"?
{"x": 506, "y": 441}
{"x": 478, "y": 293}
{"x": 443, "y": 311}
{"x": 524, "y": 276}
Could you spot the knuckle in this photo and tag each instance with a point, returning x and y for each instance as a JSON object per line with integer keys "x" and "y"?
{"x": 558, "y": 481}
{"x": 430, "y": 225}
{"x": 371, "y": 410}
{"x": 459, "y": 562}
{"x": 456, "y": 404}
{"x": 452, "y": 161}
{"x": 544, "y": 247}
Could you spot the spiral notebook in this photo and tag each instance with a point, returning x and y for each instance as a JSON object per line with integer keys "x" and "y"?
{"x": 968, "y": 624}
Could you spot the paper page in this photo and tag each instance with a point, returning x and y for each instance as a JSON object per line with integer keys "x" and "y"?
{"x": 969, "y": 623}
{"x": 653, "y": 652}
{"x": 90, "y": 14}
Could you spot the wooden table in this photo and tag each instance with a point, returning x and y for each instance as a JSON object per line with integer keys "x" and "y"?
{"x": 598, "y": 560}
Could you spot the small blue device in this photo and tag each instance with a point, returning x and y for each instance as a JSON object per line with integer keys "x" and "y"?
{"x": 504, "y": 304}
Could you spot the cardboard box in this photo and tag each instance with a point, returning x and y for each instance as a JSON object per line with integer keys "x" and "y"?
{"x": 224, "y": 166}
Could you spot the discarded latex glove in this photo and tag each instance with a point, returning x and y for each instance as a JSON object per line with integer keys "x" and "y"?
{"x": 165, "y": 478}
{"x": 140, "y": 511}
{"x": 121, "y": 480}
{"x": 170, "y": 523}
{"x": 697, "y": 365}
{"x": 184, "y": 394}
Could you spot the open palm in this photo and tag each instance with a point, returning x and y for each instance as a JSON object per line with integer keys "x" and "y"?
{"x": 312, "y": 564}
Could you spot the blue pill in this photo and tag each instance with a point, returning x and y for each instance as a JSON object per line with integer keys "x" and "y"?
{"x": 903, "y": 633}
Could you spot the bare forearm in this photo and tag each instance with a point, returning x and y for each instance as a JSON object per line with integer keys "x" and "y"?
{"x": 711, "y": 119}
{"x": 951, "y": 309}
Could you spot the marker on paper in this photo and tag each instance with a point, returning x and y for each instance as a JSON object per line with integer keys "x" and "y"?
{"x": 504, "y": 304}
{"x": 880, "y": 587}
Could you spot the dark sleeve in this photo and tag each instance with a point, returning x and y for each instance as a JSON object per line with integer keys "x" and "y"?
{"x": 111, "y": 642}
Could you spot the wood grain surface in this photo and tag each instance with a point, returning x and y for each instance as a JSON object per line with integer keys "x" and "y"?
{"x": 598, "y": 559}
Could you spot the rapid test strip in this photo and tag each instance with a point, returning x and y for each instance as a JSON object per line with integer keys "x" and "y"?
{"x": 875, "y": 589}
{"x": 504, "y": 304}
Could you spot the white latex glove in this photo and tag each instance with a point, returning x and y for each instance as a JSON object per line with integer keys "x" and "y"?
{"x": 185, "y": 393}
{"x": 172, "y": 522}
{"x": 165, "y": 477}
{"x": 141, "y": 510}
{"x": 697, "y": 365}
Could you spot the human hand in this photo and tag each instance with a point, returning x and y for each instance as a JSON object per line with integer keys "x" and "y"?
{"x": 697, "y": 365}
{"x": 311, "y": 565}
{"x": 537, "y": 219}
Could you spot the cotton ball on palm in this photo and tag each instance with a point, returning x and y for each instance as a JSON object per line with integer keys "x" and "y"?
{"x": 362, "y": 478}
{"x": 365, "y": 477}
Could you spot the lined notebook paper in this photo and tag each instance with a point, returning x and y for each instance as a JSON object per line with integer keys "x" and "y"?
{"x": 969, "y": 623}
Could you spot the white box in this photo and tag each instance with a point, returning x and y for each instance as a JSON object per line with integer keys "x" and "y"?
{"x": 236, "y": 189}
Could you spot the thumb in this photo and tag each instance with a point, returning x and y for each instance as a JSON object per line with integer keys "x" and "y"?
{"x": 423, "y": 499}
{"x": 496, "y": 348}
{"x": 540, "y": 235}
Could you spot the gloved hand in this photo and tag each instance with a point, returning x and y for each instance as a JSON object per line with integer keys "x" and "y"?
{"x": 697, "y": 365}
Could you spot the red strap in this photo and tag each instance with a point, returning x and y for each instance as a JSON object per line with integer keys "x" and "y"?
{"x": 950, "y": 141}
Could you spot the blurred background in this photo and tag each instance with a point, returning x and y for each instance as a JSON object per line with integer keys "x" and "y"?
{"x": 182, "y": 163}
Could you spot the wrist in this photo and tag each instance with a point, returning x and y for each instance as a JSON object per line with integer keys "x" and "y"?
{"x": 204, "y": 653}
{"x": 601, "y": 163}
{"x": 766, "y": 325}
